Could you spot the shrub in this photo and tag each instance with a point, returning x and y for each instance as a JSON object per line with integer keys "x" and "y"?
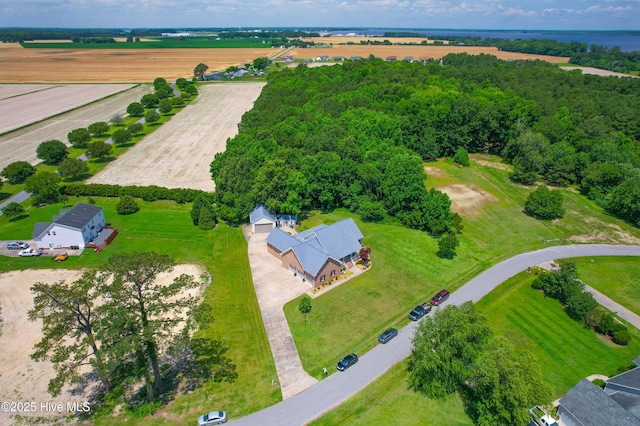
{"x": 18, "y": 171}
{"x": 207, "y": 219}
{"x": 72, "y": 168}
{"x": 371, "y": 211}
{"x": 13, "y": 209}
{"x": 127, "y": 205}
{"x": 622, "y": 337}
{"x": 544, "y": 204}
{"x": 537, "y": 284}
{"x": 461, "y": 157}
{"x": 599, "y": 382}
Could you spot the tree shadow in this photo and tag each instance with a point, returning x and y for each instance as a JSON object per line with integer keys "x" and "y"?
{"x": 4, "y": 195}
{"x": 104, "y": 159}
{"x": 20, "y": 217}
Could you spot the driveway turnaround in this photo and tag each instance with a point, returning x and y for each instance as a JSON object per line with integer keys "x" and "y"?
{"x": 335, "y": 389}
{"x": 275, "y": 286}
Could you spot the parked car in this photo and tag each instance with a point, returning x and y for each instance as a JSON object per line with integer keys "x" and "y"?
{"x": 347, "y": 362}
{"x": 17, "y": 245}
{"x": 419, "y": 311}
{"x": 440, "y": 297}
{"x": 212, "y": 418}
{"x": 387, "y": 335}
{"x": 30, "y": 252}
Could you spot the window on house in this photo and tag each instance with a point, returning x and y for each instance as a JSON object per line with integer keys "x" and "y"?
{"x": 333, "y": 273}
{"x": 322, "y": 278}
{"x": 54, "y": 232}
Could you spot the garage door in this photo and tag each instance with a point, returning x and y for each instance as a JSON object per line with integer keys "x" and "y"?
{"x": 264, "y": 227}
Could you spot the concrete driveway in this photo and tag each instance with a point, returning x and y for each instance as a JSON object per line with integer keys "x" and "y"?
{"x": 275, "y": 286}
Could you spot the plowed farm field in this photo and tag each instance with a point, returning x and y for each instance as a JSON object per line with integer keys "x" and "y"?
{"x": 20, "y": 65}
{"x": 179, "y": 153}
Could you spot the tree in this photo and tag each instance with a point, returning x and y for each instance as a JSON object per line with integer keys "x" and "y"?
{"x": 149, "y": 100}
{"x": 177, "y": 101}
{"x": 134, "y": 128}
{"x": 151, "y": 116}
{"x": 198, "y": 204}
{"x": 445, "y": 345}
{"x": 69, "y": 320}
{"x": 165, "y": 106}
{"x": 146, "y": 316}
{"x": 182, "y": 83}
{"x": 305, "y": 306}
{"x": 199, "y": 70}
{"x": 127, "y": 205}
{"x": 371, "y": 211}
{"x": 99, "y": 150}
{"x": 191, "y": 89}
{"x": 121, "y": 136}
{"x": 159, "y": 82}
{"x": 624, "y": 201}
{"x": 43, "y": 187}
{"x": 98, "y": 129}
{"x": 135, "y": 109}
{"x": 261, "y": 63}
{"x": 52, "y": 152}
{"x": 207, "y": 219}
{"x": 18, "y": 172}
{"x": 544, "y": 203}
{"x": 447, "y": 245}
{"x": 117, "y": 118}
{"x": 79, "y": 138}
{"x": 72, "y": 168}
{"x": 505, "y": 383}
{"x": 13, "y": 210}
{"x": 461, "y": 157}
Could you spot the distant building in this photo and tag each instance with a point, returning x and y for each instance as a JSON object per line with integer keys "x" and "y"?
{"x": 182, "y": 34}
{"x": 391, "y": 58}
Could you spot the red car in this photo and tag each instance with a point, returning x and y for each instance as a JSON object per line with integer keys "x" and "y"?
{"x": 440, "y": 297}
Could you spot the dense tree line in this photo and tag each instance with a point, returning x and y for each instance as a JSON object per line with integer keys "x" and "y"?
{"x": 28, "y": 34}
{"x": 146, "y": 193}
{"x": 357, "y": 134}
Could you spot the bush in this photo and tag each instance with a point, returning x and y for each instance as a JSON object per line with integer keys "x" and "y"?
{"x": 18, "y": 172}
{"x": 600, "y": 383}
{"x": 622, "y": 337}
{"x": 13, "y": 209}
{"x": 127, "y": 205}
{"x": 72, "y": 168}
{"x": 544, "y": 204}
{"x": 537, "y": 284}
{"x": 461, "y": 157}
{"x": 371, "y": 211}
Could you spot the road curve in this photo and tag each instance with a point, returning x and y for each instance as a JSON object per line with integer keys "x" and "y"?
{"x": 336, "y": 388}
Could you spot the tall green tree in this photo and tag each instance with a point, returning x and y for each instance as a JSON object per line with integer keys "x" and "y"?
{"x": 99, "y": 150}
{"x": 52, "y": 152}
{"x": 199, "y": 70}
{"x": 79, "y": 138}
{"x": 447, "y": 245}
{"x": 207, "y": 219}
{"x": 44, "y": 188}
{"x": 544, "y": 203}
{"x": 18, "y": 171}
{"x": 505, "y": 383}
{"x": 461, "y": 157}
{"x": 198, "y": 204}
{"x": 98, "y": 128}
{"x": 135, "y": 109}
{"x": 151, "y": 116}
{"x": 261, "y": 63}
{"x": 121, "y": 136}
{"x": 13, "y": 210}
{"x": 149, "y": 315}
{"x": 72, "y": 168}
{"x": 165, "y": 105}
{"x": 70, "y": 318}
{"x": 149, "y": 100}
{"x": 445, "y": 345}
{"x": 305, "y": 306}
{"x": 624, "y": 201}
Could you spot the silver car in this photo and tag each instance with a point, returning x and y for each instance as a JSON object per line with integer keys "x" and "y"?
{"x": 212, "y": 418}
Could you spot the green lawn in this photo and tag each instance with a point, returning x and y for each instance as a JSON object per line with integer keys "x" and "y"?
{"x": 567, "y": 351}
{"x": 616, "y": 277}
{"x": 387, "y": 401}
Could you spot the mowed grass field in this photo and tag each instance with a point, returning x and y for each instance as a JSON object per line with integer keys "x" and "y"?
{"x": 166, "y": 227}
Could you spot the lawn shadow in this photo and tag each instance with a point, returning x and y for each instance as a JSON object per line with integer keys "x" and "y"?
{"x": 104, "y": 159}
{"x": 17, "y": 218}
{"x": 4, "y": 195}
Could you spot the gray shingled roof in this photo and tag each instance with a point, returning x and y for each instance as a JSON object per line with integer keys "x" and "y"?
{"x": 593, "y": 407}
{"x": 261, "y": 211}
{"x": 79, "y": 215}
{"x": 629, "y": 380}
{"x": 310, "y": 258}
{"x": 281, "y": 240}
{"x": 39, "y": 228}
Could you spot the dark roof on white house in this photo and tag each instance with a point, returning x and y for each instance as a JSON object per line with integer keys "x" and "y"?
{"x": 629, "y": 380}
{"x": 39, "y": 228}
{"x": 593, "y": 407}
{"x": 315, "y": 246}
{"x": 259, "y": 212}
{"x": 79, "y": 215}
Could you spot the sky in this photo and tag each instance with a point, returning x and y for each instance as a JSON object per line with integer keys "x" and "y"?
{"x": 454, "y": 14}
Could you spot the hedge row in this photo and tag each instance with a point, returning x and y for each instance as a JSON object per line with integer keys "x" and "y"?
{"x": 146, "y": 193}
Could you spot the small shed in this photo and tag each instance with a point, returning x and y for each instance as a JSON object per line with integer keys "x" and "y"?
{"x": 262, "y": 220}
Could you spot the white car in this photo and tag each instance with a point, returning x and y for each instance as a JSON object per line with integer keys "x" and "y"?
{"x": 30, "y": 252}
{"x": 212, "y": 418}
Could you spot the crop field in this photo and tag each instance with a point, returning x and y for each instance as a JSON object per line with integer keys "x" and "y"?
{"x": 22, "y": 109}
{"x": 179, "y": 153}
{"x": 158, "y": 43}
{"x": 21, "y": 144}
{"x": 20, "y": 65}
{"x": 417, "y": 52}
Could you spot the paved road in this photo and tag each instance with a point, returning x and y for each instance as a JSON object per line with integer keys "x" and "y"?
{"x": 615, "y": 307}
{"x": 18, "y": 198}
{"x": 336, "y": 388}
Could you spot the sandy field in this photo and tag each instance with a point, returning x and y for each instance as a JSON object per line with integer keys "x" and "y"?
{"x": 467, "y": 200}
{"x": 179, "y": 153}
{"x": 11, "y": 90}
{"x": 20, "y": 65}
{"x": 357, "y": 39}
{"x": 21, "y": 144}
{"x": 21, "y": 379}
{"x": 597, "y": 71}
{"x": 27, "y": 108}
{"x": 416, "y": 51}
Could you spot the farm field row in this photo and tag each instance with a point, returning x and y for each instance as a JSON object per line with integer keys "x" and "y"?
{"x": 179, "y": 153}
{"x": 20, "y": 65}
{"x": 21, "y": 144}
{"x": 11, "y": 90}
{"x": 26, "y": 108}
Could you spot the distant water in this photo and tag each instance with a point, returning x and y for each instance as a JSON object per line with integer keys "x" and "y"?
{"x": 626, "y": 40}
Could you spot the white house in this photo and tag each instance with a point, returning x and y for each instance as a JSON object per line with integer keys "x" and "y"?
{"x": 262, "y": 220}
{"x": 72, "y": 228}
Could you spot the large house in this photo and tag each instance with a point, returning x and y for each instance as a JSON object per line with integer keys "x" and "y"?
{"x": 320, "y": 253}
{"x": 73, "y": 228}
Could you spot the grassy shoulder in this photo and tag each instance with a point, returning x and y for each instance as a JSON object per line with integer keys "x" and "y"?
{"x": 615, "y": 277}
{"x": 166, "y": 227}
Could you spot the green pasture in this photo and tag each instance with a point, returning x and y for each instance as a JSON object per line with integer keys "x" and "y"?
{"x": 616, "y": 277}
{"x": 164, "y": 43}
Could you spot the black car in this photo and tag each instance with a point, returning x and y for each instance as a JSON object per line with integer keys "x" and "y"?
{"x": 387, "y": 335}
{"x": 419, "y": 311}
{"x": 347, "y": 362}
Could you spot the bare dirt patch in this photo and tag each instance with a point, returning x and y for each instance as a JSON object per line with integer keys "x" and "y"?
{"x": 597, "y": 71}
{"x": 467, "y": 200}
{"x": 25, "y": 65}
{"x": 417, "y": 52}
{"x": 434, "y": 171}
{"x": 20, "y": 145}
{"x": 490, "y": 161}
{"x": 21, "y": 110}
{"x": 179, "y": 153}
{"x": 21, "y": 379}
